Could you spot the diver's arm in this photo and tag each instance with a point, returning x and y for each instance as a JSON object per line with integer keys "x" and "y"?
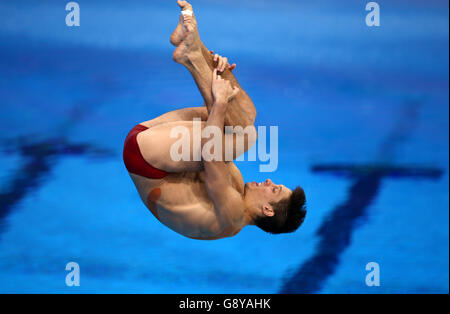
{"x": 226, "y": 199}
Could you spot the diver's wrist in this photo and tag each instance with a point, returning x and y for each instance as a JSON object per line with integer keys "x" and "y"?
{"x": 219, "y": 102}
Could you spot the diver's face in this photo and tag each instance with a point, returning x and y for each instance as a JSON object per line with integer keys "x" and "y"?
{"x": 266, "y": 192}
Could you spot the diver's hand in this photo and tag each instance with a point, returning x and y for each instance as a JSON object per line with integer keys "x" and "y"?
{"x": 222, "y": 63}
{"x": 222, "y": 90}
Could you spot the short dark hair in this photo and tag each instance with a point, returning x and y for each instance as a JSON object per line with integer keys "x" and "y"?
{"x": 289, "y": 214}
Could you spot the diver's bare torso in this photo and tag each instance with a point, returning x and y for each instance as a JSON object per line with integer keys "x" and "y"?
{"x": 180, "y": 201}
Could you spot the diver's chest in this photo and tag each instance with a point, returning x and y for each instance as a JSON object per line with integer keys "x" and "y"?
{"x": 234, "y": 177}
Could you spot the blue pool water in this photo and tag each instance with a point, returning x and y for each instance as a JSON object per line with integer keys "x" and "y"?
{"x": 363, "y": 124}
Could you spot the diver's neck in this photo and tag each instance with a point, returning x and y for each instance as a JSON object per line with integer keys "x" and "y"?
{"x": 248, "y": 217}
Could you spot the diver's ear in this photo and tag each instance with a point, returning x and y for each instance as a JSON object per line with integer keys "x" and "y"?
{"x": 267, "y": 210}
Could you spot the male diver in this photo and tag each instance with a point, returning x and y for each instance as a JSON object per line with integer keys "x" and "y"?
{"x": 206, "y": 200}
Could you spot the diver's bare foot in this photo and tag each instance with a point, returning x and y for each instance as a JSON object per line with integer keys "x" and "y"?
{"x": 190, "y": 41}
{"x": 178, "y": 34}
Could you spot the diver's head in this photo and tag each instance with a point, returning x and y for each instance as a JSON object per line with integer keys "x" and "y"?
{"x": 275, "y": 208}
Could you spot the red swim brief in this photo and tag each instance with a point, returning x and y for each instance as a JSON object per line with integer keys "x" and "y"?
{"x": 132, "y": 157}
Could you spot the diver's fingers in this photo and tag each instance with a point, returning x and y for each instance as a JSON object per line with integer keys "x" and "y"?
{"x": 224, "y": 64}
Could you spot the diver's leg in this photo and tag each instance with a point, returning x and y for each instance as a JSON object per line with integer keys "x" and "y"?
{"x": 176, "y": 146}
{"x": 193, "y": 54}
{"x": 184, "y": 114}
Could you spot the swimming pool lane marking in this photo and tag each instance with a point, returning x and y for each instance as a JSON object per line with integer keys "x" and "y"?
{"x": 336, "y": 230}
{"x": 39, "y": 158}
